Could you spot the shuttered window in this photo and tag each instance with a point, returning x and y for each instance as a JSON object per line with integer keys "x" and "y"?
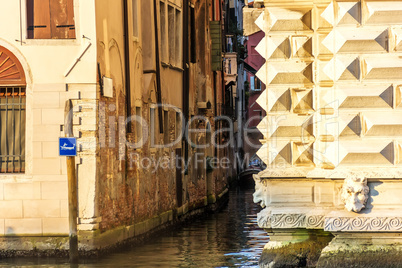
{"x": 50, "y": 19}
{"x": 171, "y": 34}
{"x": 216, "y": 38}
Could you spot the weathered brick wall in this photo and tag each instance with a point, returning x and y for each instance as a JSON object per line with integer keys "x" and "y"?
{"x": 114, "y": 199}
{"x": 129, "y": 193}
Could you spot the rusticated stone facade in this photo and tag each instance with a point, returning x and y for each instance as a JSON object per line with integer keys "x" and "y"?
{"x": 334, "y": 77}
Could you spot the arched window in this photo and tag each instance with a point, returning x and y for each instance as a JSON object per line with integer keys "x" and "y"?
{"x": 12, "y": 113}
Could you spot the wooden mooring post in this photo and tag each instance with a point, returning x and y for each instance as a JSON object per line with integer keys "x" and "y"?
{"x": 72, "y": 186}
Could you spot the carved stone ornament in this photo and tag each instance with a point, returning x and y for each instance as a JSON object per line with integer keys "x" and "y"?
{"x": 268, "y": 219}
{"x": 261, "y": 192}
{"x": 358, "y": 224}
{"x": 264, "y": 218}
{"x": 368, "y": 172}
{"x": 355, "y": 193}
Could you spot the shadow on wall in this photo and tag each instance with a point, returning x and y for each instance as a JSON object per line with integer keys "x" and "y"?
{"x": 373, "y": 192}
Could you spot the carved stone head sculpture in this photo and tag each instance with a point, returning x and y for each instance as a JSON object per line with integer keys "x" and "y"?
{"x": 261, "y": 192}
{"x": 355, "y": 193}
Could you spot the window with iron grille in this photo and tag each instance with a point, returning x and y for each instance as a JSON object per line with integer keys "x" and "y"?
{"x": 12, "y": 129}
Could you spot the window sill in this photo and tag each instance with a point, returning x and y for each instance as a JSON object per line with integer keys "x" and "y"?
{"x": 50, "y": 42}
{"x": 15, "y": 177}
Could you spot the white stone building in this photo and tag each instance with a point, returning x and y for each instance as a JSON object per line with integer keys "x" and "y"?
{"x": 46, "y": 59}
{"x": 333, "y": 125}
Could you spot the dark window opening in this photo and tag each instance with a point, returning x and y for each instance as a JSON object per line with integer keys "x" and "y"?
{"x": 193, "y": 48}
{"x": 163, "y": 31}
{"x": 154, "y": 130}
{"x": 166, "y": 133}
{"x": 135, "y": 18}
{"x": 257, "y": 83}
{"x": 171, "y": 34}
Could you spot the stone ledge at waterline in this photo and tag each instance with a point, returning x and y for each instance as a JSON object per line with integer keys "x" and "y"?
{"x": 301, "y": 254}
{"x": 313, "y": 253}
{"x": 17, "y": 246}
{"x": 361, "y": 255}
{"x": 316, "y": 248}
{"x": 95, "y": 243}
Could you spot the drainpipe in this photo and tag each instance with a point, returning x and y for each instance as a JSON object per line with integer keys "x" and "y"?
{"x": 215, "y": 109}
{"x": 186, "y": 73}
{"x": 127, "y": 64}
{"x": 158, "y": 69}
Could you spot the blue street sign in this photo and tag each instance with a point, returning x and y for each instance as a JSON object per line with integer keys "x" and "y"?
{"x": 67, "y": 146}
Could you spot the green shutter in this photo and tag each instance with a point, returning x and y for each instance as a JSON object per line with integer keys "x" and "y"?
{"x": 216, "y": 38}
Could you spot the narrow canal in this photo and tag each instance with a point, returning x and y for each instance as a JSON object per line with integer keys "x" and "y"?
{"x": 230, "y": 238}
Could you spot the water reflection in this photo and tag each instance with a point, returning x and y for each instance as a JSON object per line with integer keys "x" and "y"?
{"x": 230, "y": 238}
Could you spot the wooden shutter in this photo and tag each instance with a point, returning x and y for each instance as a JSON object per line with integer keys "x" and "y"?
{"x": 30, "y": 19}
{"x": 71, "y": 19}
{"x": 38, "y": 19}
{"x": 216, "y": 38}
{"x": 62, "y": 19}
{"x": 50, "y": 19}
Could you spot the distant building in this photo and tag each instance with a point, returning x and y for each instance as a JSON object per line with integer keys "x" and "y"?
{"x": 234, "y": 55}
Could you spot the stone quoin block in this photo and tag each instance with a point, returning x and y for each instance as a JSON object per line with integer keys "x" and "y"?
{"x": 22, "y": 191}
{"x": 23, "y": 226}
{"x": 11, "y": 209}
{"x": 53, "y": 116}
{"x": 50, "y": 149}
{"x": 56, "y": 226}
{"x": 41, "y": 208}
{"x": 37, "y": 149}
{"x": 1, "y": 191}
{"x": 46, "y": 132}
{"x": 50, "y": 166}
{"x": 2, "y": 227}
{"x": 55, "y": 190}
{"x": 37, "y": 117}
{"x": 47, "y": 100}
{"x": 64, "y": 208}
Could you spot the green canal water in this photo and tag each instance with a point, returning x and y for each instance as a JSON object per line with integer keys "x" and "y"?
{"x": 230, "y": 238}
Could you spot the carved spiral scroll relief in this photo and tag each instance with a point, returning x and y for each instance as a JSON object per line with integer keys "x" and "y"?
{"x": 373, "y": 224}
{"x": 266, "y": 219}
